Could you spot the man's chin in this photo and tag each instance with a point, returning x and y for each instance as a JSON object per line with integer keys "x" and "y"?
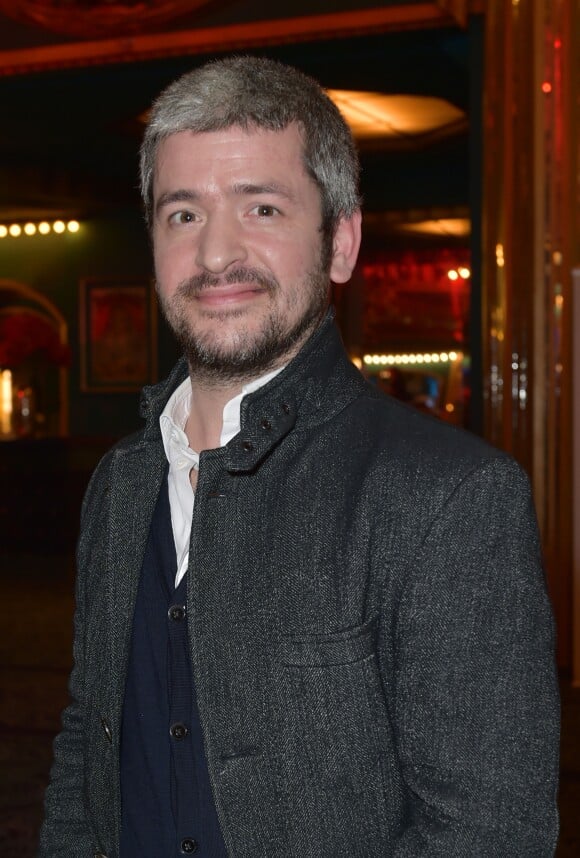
{"x": 233, "y": 357}
{"x": 225, "y": 313}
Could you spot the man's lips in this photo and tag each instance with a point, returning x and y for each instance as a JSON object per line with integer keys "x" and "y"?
{"x": 214, "y": 296}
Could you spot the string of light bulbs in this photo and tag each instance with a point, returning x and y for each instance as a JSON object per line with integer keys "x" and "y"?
{"x": 397, "y": 359}
{"x": 18, "y": 230}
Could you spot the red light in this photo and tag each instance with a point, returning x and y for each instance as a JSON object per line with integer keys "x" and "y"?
{"x": 557, "y": 43}
{"x": 546, "y": 87}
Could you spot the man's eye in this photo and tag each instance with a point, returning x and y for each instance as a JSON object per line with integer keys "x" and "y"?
{"x": 182, "y": 217}
{"x": 264, "y": 210}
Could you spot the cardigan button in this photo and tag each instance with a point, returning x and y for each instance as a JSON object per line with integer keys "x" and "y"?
{"x": 178, "y": 731}
{"x": 176, "y": 613}
{"x": 188, "y": 845}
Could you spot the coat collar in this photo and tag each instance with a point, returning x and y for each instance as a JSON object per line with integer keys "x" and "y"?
{"x": 320, "y": 375}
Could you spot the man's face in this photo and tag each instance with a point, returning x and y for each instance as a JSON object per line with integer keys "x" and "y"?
{"x": 238, "y": 248}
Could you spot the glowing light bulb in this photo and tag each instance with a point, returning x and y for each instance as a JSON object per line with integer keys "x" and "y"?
{"x": 58, "y": 226}
{"x": 5, "y": 401}
{"x": 15, "y": 230}
{"x": 30, "y": 228}
{"x": 44, "y": 228}
{"x": 3, "y": 231}
{"x": 73, "y": 226}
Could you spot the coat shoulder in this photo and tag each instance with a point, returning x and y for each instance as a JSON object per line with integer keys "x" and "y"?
{"x": 407, "y": 430}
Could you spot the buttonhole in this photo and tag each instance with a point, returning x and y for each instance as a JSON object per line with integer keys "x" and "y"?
{"x": 227, "y": 756}
{"x": 107, "y": 729}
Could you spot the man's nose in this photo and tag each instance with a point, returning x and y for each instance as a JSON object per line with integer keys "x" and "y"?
{"x": 220, "y": 244}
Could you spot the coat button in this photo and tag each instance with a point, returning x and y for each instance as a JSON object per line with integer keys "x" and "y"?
{"x": 247, "y": 446}
{"x": 107, "y": 729}
{"x": 176, "y": 613}
{"x": 188, "y": 845}
{"x": 266, "y": 424}
{"x": 178, "y": 731}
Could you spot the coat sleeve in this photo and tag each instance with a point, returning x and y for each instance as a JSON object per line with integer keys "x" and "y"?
{"x": 477, "y": 707}
{"x": 66, "y": 831}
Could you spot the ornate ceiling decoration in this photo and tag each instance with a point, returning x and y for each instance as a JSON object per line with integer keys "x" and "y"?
{"x": 98, "y": 18}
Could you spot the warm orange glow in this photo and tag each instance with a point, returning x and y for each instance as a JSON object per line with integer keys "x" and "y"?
{"x": 459, "y": 226}
{"x": 5, "y": 401}
{"x": 373, "y": 114}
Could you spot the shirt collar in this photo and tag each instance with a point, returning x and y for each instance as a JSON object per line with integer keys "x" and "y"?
{"x": 174, "y": 417}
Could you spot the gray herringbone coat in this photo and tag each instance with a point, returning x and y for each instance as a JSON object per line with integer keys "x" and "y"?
{"x": 370, "y": 635}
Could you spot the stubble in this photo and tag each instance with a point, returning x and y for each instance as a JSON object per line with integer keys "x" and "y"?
{"x": 249, "y": 351}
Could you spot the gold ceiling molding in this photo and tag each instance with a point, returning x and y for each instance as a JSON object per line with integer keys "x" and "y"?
{"x": 97, "y": 18}
{"x": 137, "y": 48}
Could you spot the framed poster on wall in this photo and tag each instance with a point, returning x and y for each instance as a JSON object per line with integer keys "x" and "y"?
{"x": 118, "y": 335}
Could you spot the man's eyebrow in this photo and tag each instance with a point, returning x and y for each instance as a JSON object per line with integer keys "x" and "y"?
{"x": 250, "y": 189}
{"x": 180, "y": 196}
{"x": 184, "y": 195}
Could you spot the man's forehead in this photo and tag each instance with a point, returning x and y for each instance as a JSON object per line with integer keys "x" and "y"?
{"x": 251, "y": 132}
{"x": 260, "y": 147}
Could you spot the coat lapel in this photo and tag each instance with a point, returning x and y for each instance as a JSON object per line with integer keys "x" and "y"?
{"x": 137, "y": 477}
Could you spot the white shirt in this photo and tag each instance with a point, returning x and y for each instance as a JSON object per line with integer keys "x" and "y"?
{"x": 182, "y": 458}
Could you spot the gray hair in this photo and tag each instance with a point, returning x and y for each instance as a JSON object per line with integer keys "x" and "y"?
{"x": 253, "y": 92}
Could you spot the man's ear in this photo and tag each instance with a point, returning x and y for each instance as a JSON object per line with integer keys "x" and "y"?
{"x": 345, "y": 247}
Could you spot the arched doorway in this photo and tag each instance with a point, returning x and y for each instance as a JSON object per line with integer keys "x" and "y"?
{"x": 34, "y": 359}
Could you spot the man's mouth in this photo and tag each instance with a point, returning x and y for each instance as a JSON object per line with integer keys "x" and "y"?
{"x": 231, "y": 293}
{"x": 235, "y": 287}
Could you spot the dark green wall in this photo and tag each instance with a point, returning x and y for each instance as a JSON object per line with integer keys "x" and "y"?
{"x": 115, "y": 247}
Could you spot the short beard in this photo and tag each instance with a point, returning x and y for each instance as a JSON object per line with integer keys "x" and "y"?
{"x": 252, "y": 353}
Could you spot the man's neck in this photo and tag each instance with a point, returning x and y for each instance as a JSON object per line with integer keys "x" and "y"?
{"x": 209, "y": 397}
{"x": 205, "y": 421}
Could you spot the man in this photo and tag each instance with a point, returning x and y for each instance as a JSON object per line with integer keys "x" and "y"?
{"x": 310, "y": 621}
